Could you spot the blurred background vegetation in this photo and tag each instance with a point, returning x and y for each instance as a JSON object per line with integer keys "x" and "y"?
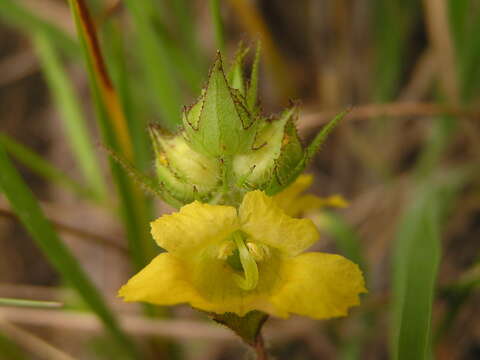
{"x": 406, "y": 157}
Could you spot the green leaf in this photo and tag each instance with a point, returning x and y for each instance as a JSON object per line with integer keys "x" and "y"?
{"x": 43, "y": 168}
{"x": 26, "y": 207}
{"x": 72, "y": 117}
{"x": 247, "y": 327}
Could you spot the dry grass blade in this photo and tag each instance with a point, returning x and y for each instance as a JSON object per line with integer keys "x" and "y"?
{"x": 396, "y": 109}
{"x": 32, "y": 343}
{"x": 182, "y": 329}
{"x": 87, "y": 31}
{"x": 253, "y": 22}
{"x": 79, "y": 233}
{"x": 436, "y": 16}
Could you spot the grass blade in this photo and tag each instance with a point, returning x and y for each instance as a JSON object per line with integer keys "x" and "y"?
{"x": 15, "y": 14}
{"x": 86, "y": 31}
{"x": 28, "y": 211}
{"x": 73, "y": 119}
{"x": 157, "y": 65}
{"x": 9, "y": 350}
{"x": 217, "y": 24}
{"x": 133, "y": 206}
{"x": 415, "y": 264}
{"x": 345, "y": 238}
{"x": 29, "y": 303}
{"x": 43, "y": 168}
{"x": 395, "y": 19}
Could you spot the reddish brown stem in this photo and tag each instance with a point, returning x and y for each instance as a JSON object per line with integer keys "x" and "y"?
{"x": 260, "y": 349}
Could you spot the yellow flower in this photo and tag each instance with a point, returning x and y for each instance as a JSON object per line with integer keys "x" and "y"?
{"x": 222, "y": 259}
{"x": 294, "y": 204}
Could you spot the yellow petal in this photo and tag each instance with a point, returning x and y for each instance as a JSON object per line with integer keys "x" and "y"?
{"x": 287, "y": 198}
{"x": 194, "y": 227}
{"x": 294, "y": 204}
{"x": 220, "y": 292}
{"x": 319, "y": 285}
{"x": 264, "y": 221}
{"x": 162, "y": 282}
{"x": 205, "y": 285}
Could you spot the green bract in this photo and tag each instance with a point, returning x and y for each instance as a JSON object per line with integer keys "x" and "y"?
{"x": 226, "y": 147}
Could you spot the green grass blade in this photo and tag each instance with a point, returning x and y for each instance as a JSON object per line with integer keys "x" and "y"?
{"x": 9, "y": 350}
{"x": 345, "y": 238}
{"x": 73, "y": 119}
{"x": 217, "y": 24}
{"x": 40, "y": 229}
{"x": 415, "y": 269}
{"x": 415, "y": 264}
{"x": 115, "y": 55}
{"x": 186, "y": 24}
{"x": 29, "y": 303}
{"x": 133, "y": 205}
{"x": 43, "y": 168}
{"x": 15, "y": 14}
{"x": 465, "y": 27}
{"x": 158, "y": 65}
{"x": 392, "y": 25}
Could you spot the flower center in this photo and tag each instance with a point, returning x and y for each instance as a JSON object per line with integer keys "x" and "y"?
{"x": 242, "y": 256}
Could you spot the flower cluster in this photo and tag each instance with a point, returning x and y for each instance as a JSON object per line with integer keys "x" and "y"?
{"x": 237, "y": 244}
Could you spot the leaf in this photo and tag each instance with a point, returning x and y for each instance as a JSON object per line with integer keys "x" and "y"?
{"x": 247, "y": 327}
{"x": 41, "y": 230}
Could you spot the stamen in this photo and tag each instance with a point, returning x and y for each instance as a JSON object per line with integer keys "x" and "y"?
{"x": 249, "y": 265}
{"x": 225, "y": 250}
{"x": 256, "y": 250}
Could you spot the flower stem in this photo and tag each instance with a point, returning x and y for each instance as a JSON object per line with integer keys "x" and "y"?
{"x": 260, "y": 349}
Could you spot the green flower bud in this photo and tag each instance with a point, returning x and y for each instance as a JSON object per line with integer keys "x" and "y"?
{"x": 276, "y": 152}
{"x": 226, "y": 147}
{"x": 186, "y": 174}
{"x": 219, "y": 124}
